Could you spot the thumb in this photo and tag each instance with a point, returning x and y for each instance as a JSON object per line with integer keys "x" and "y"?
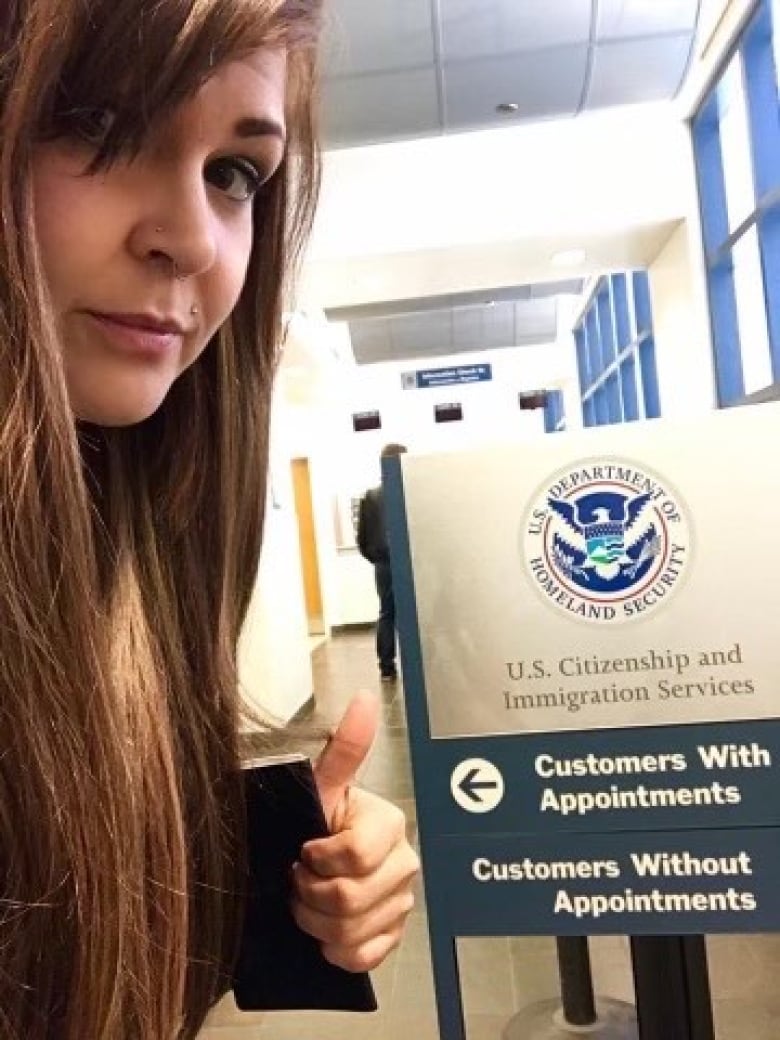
{"x": 345, "y": 752}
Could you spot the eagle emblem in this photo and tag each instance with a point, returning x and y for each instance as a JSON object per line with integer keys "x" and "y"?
{"x": 604, "y": 538}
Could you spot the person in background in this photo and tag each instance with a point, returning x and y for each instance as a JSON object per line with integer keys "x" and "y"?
{"x": 158, "y": 173}
{"x": 372, "y": 543}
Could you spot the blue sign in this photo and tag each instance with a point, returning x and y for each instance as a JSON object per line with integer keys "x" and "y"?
{"x": 664, "y": 882}
{"x": 433, "y": 377}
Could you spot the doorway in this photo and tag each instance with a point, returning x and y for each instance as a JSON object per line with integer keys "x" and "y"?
{"x": 307, "y": 540}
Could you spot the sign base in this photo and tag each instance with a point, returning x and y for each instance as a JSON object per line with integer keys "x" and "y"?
{"x": 544, "y": 1021}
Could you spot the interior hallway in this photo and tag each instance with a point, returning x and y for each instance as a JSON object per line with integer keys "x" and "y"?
{"x": 499, "y": 976}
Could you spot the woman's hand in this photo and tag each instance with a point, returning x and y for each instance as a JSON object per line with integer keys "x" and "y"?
{"x": 352, "y": 890}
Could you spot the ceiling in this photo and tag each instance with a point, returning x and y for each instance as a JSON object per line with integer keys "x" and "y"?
{"x": 396, "y": 69}
{"x": 403, "y": 69}
{"x": 443, "y": 325}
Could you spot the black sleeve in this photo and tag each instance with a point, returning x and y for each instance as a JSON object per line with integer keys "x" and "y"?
{"x": 363, "y": 531}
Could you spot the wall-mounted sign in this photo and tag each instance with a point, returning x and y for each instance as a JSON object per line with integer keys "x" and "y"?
{"x": 452, "y": 412}
{"x": 366, "y": 421}
{"x": 531, "y": 399}
{"x": 458, "y": 374}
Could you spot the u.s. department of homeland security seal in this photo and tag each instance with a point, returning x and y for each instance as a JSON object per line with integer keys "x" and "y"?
{"x": 606, "y": 541}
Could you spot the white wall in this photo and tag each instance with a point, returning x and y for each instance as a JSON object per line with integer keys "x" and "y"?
{"x": 681, "y": 324}
{"x": 344, "y": 463}
{"x": 274, "y": 662}
{"x": 490, "y": 414}
{"x": 486, "y": 209}
{"x": 502, "y": 185}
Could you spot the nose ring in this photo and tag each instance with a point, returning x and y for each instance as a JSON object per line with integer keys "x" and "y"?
{"x": 193, "y": 309}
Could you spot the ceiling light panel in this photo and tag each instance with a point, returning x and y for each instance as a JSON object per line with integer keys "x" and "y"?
{"x": 621, "y": 19}
{"x": 377, "y": 36}
{"x": 543, "y": 83}
{"x": 381, "y": 107}
{"x": 633, "y": 71}
{"x": 569, "y": 258}
{"x": 476, "y": 28}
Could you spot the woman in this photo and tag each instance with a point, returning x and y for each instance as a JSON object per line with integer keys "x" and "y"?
{"x": 157, "y": 175}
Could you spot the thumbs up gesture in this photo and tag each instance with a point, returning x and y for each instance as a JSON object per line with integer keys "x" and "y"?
{"x": 352, "y": 890}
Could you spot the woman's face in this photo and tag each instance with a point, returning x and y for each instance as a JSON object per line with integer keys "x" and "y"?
{"x": 144, "y": 261}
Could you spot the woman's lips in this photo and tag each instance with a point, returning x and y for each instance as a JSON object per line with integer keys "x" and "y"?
{"x": 137, "y": 335}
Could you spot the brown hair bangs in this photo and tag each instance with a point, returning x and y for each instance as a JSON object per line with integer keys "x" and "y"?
{"x": 139, "y": 59}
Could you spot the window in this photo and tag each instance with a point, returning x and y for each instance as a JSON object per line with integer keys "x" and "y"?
{"x": 736, "y": 136}
{"x": 554, "y": 418}
{"x": 616, "y": 352}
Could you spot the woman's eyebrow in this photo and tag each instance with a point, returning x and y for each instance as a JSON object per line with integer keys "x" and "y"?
{"x": 253, "y": 126}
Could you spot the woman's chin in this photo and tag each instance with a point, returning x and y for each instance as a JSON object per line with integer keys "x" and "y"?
{"x": 111, "y": 411}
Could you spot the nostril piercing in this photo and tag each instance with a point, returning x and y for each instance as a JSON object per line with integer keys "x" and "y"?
{"x": 193, "y": 309}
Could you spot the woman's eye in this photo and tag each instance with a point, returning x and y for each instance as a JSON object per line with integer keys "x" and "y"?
{"x": 90, "y": 125}
{"x": 239, "y": 179}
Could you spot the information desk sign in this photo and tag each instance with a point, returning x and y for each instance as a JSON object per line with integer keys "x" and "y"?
{"x": 460, "y": 374}
{"x": 591, "y": 656}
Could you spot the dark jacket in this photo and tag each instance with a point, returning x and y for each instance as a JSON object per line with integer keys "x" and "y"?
{"x": 371, "y": 537}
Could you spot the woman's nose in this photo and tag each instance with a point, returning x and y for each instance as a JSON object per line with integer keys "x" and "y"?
{"x": 178, "y": 231}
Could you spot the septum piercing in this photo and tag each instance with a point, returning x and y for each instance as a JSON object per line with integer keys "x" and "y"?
{"x": 179, "y": 277}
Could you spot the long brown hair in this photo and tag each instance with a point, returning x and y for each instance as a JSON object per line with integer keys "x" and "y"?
{"x": 127, "y": 558}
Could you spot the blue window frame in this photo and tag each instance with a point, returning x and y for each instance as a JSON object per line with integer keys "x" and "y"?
{"x": 554, "y": 418}
{"x": 736, "y": 138}
{"x": 616, "y": 352}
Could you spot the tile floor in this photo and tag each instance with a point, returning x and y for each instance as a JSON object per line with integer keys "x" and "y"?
{"x": 501, "y": 978}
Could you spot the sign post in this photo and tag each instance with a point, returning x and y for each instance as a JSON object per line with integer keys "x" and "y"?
{"x": 590, "y": 657}
{"x": 672, "y": 987}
